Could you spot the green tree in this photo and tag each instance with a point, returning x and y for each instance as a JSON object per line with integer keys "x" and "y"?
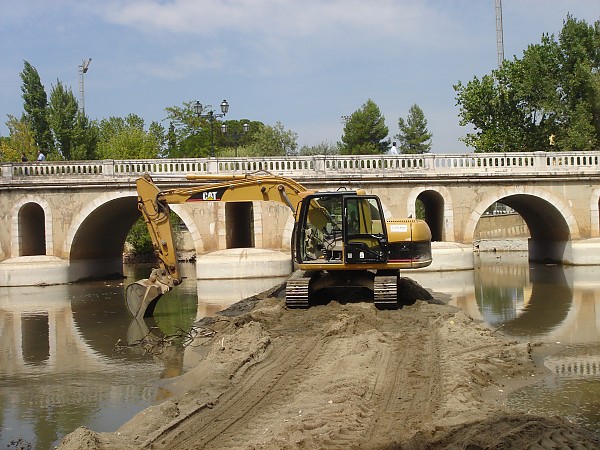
{"x": 365, "y": 132}
{"x": 270, "y": 141}
{"x": 21, "y": 141}
{"x": 324, "y": 148}
{"x": 62, "y": 115}
{"x": 139, "y": 238}
{"x": 158, "y": 132}
{"x": 192, "y": 133}
{"x": 236, "y": 137}
{"x": 85, "y": 138}
{"x": 35, "y": 103}
{"x": 171, "y": 141}
{"x": 414, "y": 136}
{"x": 551, "y": 94}
{"x": 126, "y": 138}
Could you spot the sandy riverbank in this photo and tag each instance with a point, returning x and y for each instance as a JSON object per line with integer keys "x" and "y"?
{"x": 343, "y": 376}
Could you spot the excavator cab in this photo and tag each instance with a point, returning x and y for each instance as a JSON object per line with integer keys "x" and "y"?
{"x": 345, "y": 249}
{"x": 341, "y": 228}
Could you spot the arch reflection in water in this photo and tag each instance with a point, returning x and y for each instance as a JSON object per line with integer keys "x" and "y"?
{"x": 58, "y": 369}
{"x": 551, "y": 304}
{"x": 546, "y": 302}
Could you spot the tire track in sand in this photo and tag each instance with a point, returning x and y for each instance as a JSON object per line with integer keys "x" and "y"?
{"x": 408, "y": 386}
{"x": 212, "y": 427}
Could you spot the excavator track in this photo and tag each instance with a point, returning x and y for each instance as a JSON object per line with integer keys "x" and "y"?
{"x": 385, "y": 292}
{"x": 296, "y": 291}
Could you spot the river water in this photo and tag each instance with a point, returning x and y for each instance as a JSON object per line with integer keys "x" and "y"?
{"x": 64, "y": 360}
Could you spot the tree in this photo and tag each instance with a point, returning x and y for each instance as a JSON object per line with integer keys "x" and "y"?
{"x": 553, "y": 90}
{"x": 158, "y": 132}
{"x": 21, "y": 141}
{"x": 324, "y": 148}
{"x": 365, "y": 131}
{"x": 35, "y": 103}
{"x": 85, "y": 138}
{"x": 125, "y": 138}
{"x": 171, "y": 141}
{"x": 271, "y": 141}
{"x": 192, "y": 134}
{"x": 414, "y": 136}
{"x": 62, "y": 115}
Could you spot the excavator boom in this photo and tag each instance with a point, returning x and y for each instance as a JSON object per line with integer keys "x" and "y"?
{"x": 153, "y": 204}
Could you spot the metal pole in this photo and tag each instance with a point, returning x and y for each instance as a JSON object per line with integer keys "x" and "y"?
{"x": 212, "y": 137}
{"x": 499, "y": 33}
{"x": 83, "y": 68}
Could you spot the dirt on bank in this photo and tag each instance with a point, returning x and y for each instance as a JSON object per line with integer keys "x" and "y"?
{"x": 344, "y": 376}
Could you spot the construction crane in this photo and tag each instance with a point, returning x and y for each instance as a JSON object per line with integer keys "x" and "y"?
{"x": 499, "y": 33}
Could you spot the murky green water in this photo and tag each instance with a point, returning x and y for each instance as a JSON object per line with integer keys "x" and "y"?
{"x": 59, "y": 368}
{"x": 58, "y": 364}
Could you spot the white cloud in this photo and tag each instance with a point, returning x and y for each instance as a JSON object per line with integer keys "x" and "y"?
{"x": 282, "y": 18}
{"x": 182, "y": 65}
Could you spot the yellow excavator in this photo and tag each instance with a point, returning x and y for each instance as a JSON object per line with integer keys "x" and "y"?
{"x": 341, "y": 241}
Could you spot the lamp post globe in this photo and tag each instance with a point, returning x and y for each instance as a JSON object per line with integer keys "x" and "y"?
{"x": 211, "y": 115}
{"x": 224, "y": 107}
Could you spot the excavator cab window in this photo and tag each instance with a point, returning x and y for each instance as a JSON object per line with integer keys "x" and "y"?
{"x": 321, "y": 231}
{"x": 365, "y": 239}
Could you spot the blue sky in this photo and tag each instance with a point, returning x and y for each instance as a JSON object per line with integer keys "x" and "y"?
{"x": 304, "y": 63}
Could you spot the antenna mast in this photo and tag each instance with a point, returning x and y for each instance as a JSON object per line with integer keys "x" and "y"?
{"x": 499, "y": 33}
{"x": 83, "y": 68}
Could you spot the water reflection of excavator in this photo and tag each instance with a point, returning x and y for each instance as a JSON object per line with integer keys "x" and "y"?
{"x": 340, "y": 240}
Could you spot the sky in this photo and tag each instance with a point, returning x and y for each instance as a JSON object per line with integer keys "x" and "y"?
{"x": 303, "y": 63}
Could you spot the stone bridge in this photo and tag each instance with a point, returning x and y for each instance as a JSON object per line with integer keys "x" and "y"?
{"x": 78, "y": 213}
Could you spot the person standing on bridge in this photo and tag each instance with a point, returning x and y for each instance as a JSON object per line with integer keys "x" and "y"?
{"x": 393, "y": 150}
{"x": 41, "y": 156}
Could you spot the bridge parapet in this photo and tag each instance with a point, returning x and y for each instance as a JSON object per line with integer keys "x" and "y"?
{"x": 318, "y": 166}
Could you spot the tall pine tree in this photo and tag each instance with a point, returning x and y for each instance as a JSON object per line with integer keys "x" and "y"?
{"x": 35, "y": 104}
{"x": 62, "y": 114}
{"x": 365, "y": 132}
{"x": 414, "y": 136}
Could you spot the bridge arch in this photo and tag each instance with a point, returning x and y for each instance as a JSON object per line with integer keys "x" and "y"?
{"x": 95, "y": 239}
{"x": 550, "y": 221}
{"x": 100, "y": 228}
{"x": 438, "y": 210}
{"x": 31, "y": 227}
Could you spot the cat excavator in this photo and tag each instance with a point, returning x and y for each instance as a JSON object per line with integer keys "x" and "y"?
{"x": 341, "y": 241}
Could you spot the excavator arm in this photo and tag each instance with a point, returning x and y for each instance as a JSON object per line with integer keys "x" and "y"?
{"x": 153, "y": 204}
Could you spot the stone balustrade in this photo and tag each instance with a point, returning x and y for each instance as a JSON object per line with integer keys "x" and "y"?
{"x": 319, "y": 166}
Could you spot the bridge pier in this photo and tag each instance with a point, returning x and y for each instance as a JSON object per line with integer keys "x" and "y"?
{"x": 584, "y": 253}
{"x": 42, "y": 270}
{"x": 549, "y": 251}
{"x": 447, "y": 256}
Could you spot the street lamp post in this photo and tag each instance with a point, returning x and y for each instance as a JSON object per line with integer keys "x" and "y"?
{"x": 236, "y": 135}
{"x": 211, "y": 115}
